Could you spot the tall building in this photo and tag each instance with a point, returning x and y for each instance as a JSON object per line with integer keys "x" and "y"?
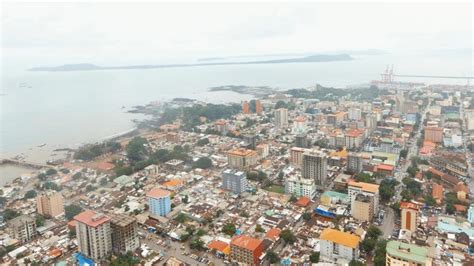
{"x": 295, "y": 185}
{"x": 336, "y": 244}
{"x": 354, "y": 162}
{"x": 242, "y": 158}
{"x": 50, "y": 204}
{"x": 434, "y": 134}
{"x": 409, "y": 216}
{"x": 470, "y": 214}
{"x": 221, "y": 126}
{"x": 301, "y": 140}
{"x": 124, "y": 234}
{"x": 296, "y": 154}
{"x": 403, "y": 254}
{"x": 23, "y": 228}
{"x": 234, "y": 180}
{"x": 250, "y": 141}
{"x": 363, "y": 208}
{"x": 246, "y": 250}
{"x": 360, "y": 188}
{"x": 315, "y": 166}
{"x": 93, "y": 235}
{"x": 355, "y": 114}
{"x": 299, "y": 125}
{"x": 159, "y": 202}
{"x": 258, "y": 107}
{"x": 281, "y": 118}
{"x": 245, "y": 107}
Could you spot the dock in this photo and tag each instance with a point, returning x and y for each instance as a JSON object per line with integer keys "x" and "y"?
{"x": 24, "y": 163}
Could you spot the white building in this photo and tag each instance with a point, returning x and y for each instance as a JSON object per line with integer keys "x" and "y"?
{"x": 299, "y": 187}
{"x": 94, "y": 235}
{"x": 354, "y": 113}
{"x": 337, "y": 245}
{"x": 366, "y": 189}
{"x": 281, "y": 117}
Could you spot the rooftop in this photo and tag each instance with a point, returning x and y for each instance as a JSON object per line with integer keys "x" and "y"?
{"x": 158, "y": 193}
{"x": 91, "y": 218}
{"x": 339, "y": 237}
{"x": 242, "y": 152}
{"x": 246, "y": 242}
{"x": 407, "y": 251}
{"x": 122, "y": 220}
{"x": 373, "y": 188}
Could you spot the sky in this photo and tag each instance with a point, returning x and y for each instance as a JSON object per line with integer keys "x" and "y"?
{"x": 55, "y": 33}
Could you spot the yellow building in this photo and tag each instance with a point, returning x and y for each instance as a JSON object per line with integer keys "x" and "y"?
{"x": 242, "y": 158}
{"x": 50, "y": 204}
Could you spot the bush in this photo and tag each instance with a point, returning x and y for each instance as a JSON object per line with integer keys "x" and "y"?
{"x": 203, "y": 163}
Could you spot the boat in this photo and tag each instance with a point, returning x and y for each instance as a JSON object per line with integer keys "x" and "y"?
{"x": 42, "y": 145}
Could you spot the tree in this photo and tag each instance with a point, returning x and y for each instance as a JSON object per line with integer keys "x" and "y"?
{"x": 51, "y": 171}
{"x": 39, "y": 220}
{"x": 136, "y": 149}
{"x": 364, "y": 177}
{"x": 202, "y": 142}
{"x": 288, "y": 236}
{"x": 42, "y": 176}
{"x": 380, "y": 253}
{"x": 9, "y": 214}
{"x": 403, "y": 153}
{"x": 259, "y": 229}
{"x": 203, "y": 163}
{"x": 373, "y": 232}
{"x": 355, "y": 263}
{"x": 103, "y": 181}
{"x": 368, "y": 244}
{"x": 229, "y": 229}
{"x": 181, "y": 218}
{"x": 306, "y": 216}
{"x": 293, "y": 198}
{"x": 185, "y": 199}
{"x": 30, "y": 194}
{"x": 314, "y": 257}
{"x": 124, "y": 170}
{"x": 197, "y": 244}
{"x": 77, "y": 176}
{"x": 72, "y": 210}
{"x": 429, "y": 200}
{"x": 387, "y": 189}
{"x": 272, "y": 256}
{"x": 125, "y": 260}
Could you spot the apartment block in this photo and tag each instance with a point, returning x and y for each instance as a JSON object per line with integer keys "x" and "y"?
{"x": 366, "y": 189}
{"x": 159, "y": 202}
{"x": 23, "y": 228}
{"x": 246, "y": 250}
{"x": 124, "y": 234}
{"x": 234, "y": 180}
{"x": 281, "y": 118}
{"x": 242, "y": 158}
{"x": 50, "y": 204}
{"x": 315, "y": 166}
{"x": 93, "y": 233}
{"x": 336, "y": 244}
{"x": 403, "y": 254}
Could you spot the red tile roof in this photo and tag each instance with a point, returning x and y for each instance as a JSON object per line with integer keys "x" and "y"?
{"x": 158, "y": 193}
{"x": 303, "y": 201}
{"x": 246, "y": 242}
{"x": 273, "y": 233}
{"x": 91, "y": 218}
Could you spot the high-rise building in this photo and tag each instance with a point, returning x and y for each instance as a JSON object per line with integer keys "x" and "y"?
{"x": 242, "y": 158}
{"x": 299, "y": 125}
{"x": 403, "y": 254}
{"x": 245, "y": 107}
{"x": 234, "y": 180}
{"x": 93, "y": 235}
{"x": 50, "y": 204}
{"x": 355, "y": 113}
{"x": 409, "y": 216}
{"x": 23, "y": 228}
{"x": 301, "y": 140}
{"x": 434, "y": 134}
{"x": 250, "y": 141}
{"x": 363, "y": 209}
{"x": 246, "y": 250}
{"x": 221, "y": 126}
{"x": 366, "y": 189}
{"x": 296, "y": 154}
{"x": 295, "y": 185}
{"x": 258, "y": 107}
{"x": 281, "y": 117}
{"x": 124, "y": 234}
{"x": 159, "y": 202}
{"x": 315, "y": 166}
{"x": 354, "y": 162}
{"x": 336, "y": 244}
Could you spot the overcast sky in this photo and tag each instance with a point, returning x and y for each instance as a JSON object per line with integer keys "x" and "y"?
{"x": 114, "y": 33}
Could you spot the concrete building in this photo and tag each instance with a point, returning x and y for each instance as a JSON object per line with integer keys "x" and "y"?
{"x": 470, "y": 214}
{"x": 354, "y": 162}
{"x": 23, "y": 228}
{"x": 250, "y": 141}
{"x": 159, "y": 202}
{"x": 296, "y": 154}
{"x": 299, "y": 187}
{"x": 366, "y": 189}
{"x": 93, "y": 233}
{"x": 409, "y": 216}
{"x": 258, "y": 107}
{"x": 245, "y": 107}
{"x": 242, "y": 158}
{"x": 281, "y": 117}
{"x": 434, "y": 134}
{"x": 299, "y": 125}
{"x": 315, "y": 166}
{"x": 124, "y": 234}
{"x": 234, "y": 180}
{"x": 403, "y": 254}
{"x": 50, "y": 204}
{"x": 263, "y": 150}
{"x": 246, "y": 250}
{"x": 355, "y": 114}
{"x": 301, "y": 141}
{"x": 338, "y": 245}
{"x": 363, "y": 209}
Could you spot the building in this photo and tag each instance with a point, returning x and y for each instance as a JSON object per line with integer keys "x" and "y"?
{"x": 245, "y": 107}
{"x": 50, "y": 204}
{"x": 124, "y": 234}
{"x": 23, "y": 228}
{"x": 263, "y": 150}
{"x": 434, "y": 134}
{"x": 281, "y": 118}
{"x": 354, "y": 162}
{"x": 300, "y": 187}
{"x": 470, "y": 214}
{"x": 362, "y": 208}
{"x": 258, "y": 107}
{"x": 250, "y": 141}
{"x": 296, "y": 154}
{"x": 234, "y": 180}
{"x": 301, "y": 141}
{"x": 355, "y": 114}
{"x": 409, "y": 216}
{"x": 299, "y": 125}
{"x": 159, "y": 202}
{"x": 336, "y": 244}
{"x": 403, "y": 254}
{"x": 221, "y": 126}
{"x": 246, "y": 250}
{"x": 366, "y": 189}
{"x": 93, "y": 233}
{"x": 438, "y": 193}
{"x": 315, "y": 166}
{"x": 242, "y": 158}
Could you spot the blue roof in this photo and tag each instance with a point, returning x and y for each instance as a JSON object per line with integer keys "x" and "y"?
{"x": 82, "y": 260}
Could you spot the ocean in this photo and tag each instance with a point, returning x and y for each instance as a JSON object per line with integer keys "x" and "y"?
{"x": 67, "y": 109}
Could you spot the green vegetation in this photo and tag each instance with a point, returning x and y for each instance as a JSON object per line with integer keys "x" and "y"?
{"x": 137, "y": 150}
{"x": 272, "y": 256}
{"x": 30, "y": 194}
{"x": 259, "y": 229}
{"x": 288, "y": 236}
{"x": 202, "y": 142}
{"x": 293, "y": 198}
{"x": 288, "y": 105}
{"x": 9, "y": 214}
{"x": 203, "y": 163}
{"x": 306, "y": 216}
{"x": 314, "y": 257}
{"x": 256, "y": 176}
{"x": 181, "y": 218}
{"x": 355, "y": 263}
{"x": 380, "y": 253}
{"x": 72, "y": 210}
{"x": 276, "y": 189}
{"x": 125, "y": 260}
{"x": 51, "y": 171}
{"x": 197, "y": 244}
{"x": 324, "y": 93}
{"x": 387, "y": 189}
{"x": 90, "y": 152}
{"x": 412, "y": 189}
{"x": 229, "y": 229}
{"x": 368, "y": 244}
{"x": 364, "y": 177}
{"x": 403, "y": 153}
{"x": 39, "y": 220}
